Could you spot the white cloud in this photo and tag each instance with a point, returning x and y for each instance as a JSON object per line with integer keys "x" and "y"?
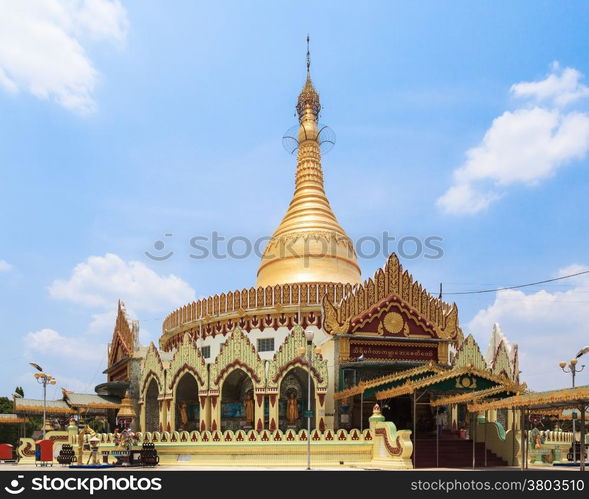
{"x": 97, "y": 284}
{"x": 5, "y": 266}
{"x": 523, "y": 146}
{"x": 549, "y": 326}
{"x": 462, "y": 198}
{"x": 51, "y": 344}
{"x": 42, "y": 52}
{"x": 101, "y": 280}
{"x": 560, "y": 89}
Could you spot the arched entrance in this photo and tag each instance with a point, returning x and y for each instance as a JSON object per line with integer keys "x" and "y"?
{"x": 152, "y": 411}
{"x": 237, "y": 402}
{"x": 293, "y": 400}
{"x": 187, "y": 404}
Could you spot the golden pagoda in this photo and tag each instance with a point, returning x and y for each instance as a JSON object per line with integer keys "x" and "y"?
{"x": 255, "y": 376}
{"x": 126, "y": 413}
{"x": 309, "y": 245}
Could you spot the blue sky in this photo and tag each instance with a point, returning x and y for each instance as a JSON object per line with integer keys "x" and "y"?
{"x": 122, "y": 122}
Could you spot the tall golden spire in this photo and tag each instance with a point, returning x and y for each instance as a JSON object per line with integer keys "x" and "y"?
{"x": 309, "y": 245}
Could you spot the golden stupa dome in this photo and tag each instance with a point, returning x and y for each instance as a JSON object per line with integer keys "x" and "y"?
{"x": 309, "y": 245}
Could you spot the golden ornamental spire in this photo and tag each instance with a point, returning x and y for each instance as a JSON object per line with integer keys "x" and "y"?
{"x": 309, "y": 245}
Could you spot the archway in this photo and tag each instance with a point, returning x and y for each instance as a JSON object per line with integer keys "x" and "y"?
{"x": 152, "y": 411}
{"x": 293, "y": 400}
{"x": 237, "y": 402}
{"x": 187, "y": 404}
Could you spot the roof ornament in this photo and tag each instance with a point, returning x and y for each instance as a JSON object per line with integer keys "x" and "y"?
{"x": 308, "y": 59}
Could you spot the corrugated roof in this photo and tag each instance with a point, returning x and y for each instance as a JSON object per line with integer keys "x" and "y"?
{"x": 92, "y": 400}
{"x": 410, "y": 386}
{"x": 553, "y": 399}
{"x": 388, "y": 379}
{"x": 11, "y": 419}
{"x": 22, "y": 405}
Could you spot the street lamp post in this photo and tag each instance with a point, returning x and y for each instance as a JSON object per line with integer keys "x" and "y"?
{"x": 573, "y": 370}
{"x": 43, "y": 379}
{"x": 309, "y": 338}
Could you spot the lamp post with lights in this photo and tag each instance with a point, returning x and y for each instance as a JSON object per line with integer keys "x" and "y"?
{"x": 572, "y": 369}
{"x": 43, "y": 379}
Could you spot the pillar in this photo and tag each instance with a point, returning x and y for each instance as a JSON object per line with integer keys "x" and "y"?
{"x": 454, "y": 417}
{"x": 582, "y": 458}
{"x": 172, "y": 413}
{"x": 510, "y": 420}
{"x": 215, "y": 411}
{"x": 259, "y": 409}
{"x": 274, "y": 412}
{"x": 205, "y": 411}
{"x": 161, "y": 415}
{"x": 320, "y": 410}
{"x": 141, "y": 417}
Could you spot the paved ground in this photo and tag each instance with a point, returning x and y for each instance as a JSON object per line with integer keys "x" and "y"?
{"x": 57, "y": 468}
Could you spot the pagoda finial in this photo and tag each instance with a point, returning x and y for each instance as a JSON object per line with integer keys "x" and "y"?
{"x": 308, "y": 59}
{"x": 309, "y": 245}
{"x": 309, "y": 98}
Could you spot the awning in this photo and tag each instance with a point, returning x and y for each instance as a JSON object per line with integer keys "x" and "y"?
{"x": 370, "y": 386}
{"x": 472, "y": 396}
{"x": 35, "y": 406}
{"x": 91, "y": 401}
{"x": 568, "y": 398}
{"x": 457, "y": 380}
{"x": 12, "y": 419}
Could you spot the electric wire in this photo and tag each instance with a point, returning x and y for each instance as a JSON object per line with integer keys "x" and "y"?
{"x": 517, "y": 286}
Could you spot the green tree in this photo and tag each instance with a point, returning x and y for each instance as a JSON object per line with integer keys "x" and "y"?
{"x": 20, "y": 391}
{"x": 8, "y": 433}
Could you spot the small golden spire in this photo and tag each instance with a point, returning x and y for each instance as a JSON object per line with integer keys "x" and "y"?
{"x": 309, "y": 245}
{"x": 308, "y": 98}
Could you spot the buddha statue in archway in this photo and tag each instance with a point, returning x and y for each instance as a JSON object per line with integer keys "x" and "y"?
{"x": 292, "y": 408}
{"x": 248, "y": 405}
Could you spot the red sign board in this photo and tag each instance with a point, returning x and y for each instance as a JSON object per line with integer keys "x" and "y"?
{"x": 394, "y": 351}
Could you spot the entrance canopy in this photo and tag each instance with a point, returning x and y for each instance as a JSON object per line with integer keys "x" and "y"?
{"x": 455, "y": 385}
{"x": 561, "y": 400}
{"x": 568, "y": 398}
{"x": 371, "y": 386}
{"x": 459, "y": 384}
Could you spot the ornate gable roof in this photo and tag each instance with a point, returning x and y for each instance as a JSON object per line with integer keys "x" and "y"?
{"x": 501, "y": 363}
{"x": 288, "y": 355}
{"x": 392, "y": 304}
{"x": 237, "y": 352}
{"x": 188, "y": 357}
{"x": 469, "y": 354}
{"x": 152, "y": 367}
{"x": 123, "y": 339}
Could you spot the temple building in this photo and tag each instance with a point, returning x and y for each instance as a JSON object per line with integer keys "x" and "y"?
{"x": 239, "y": 360}
{"x": 233, "y": 361}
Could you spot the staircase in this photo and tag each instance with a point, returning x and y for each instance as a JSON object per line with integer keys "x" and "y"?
{"x": 454, "y": 453}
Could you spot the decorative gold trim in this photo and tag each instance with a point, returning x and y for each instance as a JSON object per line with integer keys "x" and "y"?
{"x": 411, "y": 386}
{"x": 50, "y": 410}
{"x": 481, "y": 394}
{"x": 565, "y": 398}
{"x": 415, "y": 344}
{"x": 371, "y": 383}
{"x": 394, "y": 283}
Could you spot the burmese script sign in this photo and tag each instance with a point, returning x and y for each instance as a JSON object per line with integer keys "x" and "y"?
{"x": 393, "y": 351}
